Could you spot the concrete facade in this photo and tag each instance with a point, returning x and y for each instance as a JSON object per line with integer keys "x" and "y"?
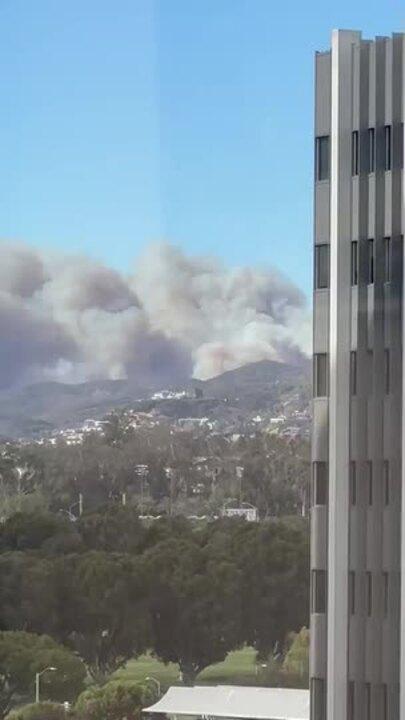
{"x": 357, "y": 645}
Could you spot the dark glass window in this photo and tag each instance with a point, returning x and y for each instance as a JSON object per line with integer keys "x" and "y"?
{"x": 353, "y": 373}
{"x": 385, "y": 593}
{"x": 355, "y": 152}
{"x": 353, "y": 483}
{"x": 320, "y": 375}
{"x": 387, "y": 148}
{"x": 354, "y": 263}
{"x": 322, "y": 157}
{"x": 319, "y": 483}
{"x": 369, "y": 593}
{"x": 386, "y": 482}
{"x": 371, "y": 150}
{"x": 350, "y": 700}
{"x": 367, "y": 701}
{"x": 387, "y": 378}
{"x": 385, "y": 715}
{"x": 387, "y": 258}
{"x": 370, "y": 481}
{"x": 318, "y": 699}
{"x": 370, "y": 261}
{"x": 352, "y": 592}
{"x": 321, "y": 266}
{"x": 369, "y": 369}
{"x": 318, "y": 589}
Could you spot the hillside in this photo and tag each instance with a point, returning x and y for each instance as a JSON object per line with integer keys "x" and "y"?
{"x": 259, "y": 387}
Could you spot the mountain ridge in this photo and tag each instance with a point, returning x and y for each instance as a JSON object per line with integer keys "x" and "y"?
{"x": 39, "y": 409}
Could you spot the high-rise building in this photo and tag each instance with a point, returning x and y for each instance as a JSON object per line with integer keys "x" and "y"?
{"x": 357, "y": 659}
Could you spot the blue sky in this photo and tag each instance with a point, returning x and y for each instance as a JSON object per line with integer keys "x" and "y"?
{"x": 128, "y": 121}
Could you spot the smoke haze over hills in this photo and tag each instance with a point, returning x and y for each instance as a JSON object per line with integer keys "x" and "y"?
{"x": 72, "y": 319}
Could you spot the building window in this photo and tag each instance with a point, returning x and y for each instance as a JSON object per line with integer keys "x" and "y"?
{"x": 370, "y": 262}
{"x": 354, "y": 263}
{"x": 371, "y": 150}
{"x": 318, "y": 699}
{"x": 320, "y": 375}
{"x": 386, "y": 482}
{"x": 319, "y": 483}
{"x": 322, "y": 157}
{"x": 350, "y": 700}
{"x": 387, "y": 147}
{"x": 370, "y": 481}
{"x": 321, "y": 273}
{"x": 369, "y": 370}
{"x": 385, "y": 715}
{"x": 369, "y": 593}
{"x": 318, "y": 591}
{"x": 385, "y": 593}
{"x": 352, "y": 592}
{"x": 355, "y": 152}
{"x": 387, "y": 379}
{"x": 387, "y": 258}
{"x": 353, "y": 484}
{"x": 367, "y": 701}
{"x": 353, "y": 373}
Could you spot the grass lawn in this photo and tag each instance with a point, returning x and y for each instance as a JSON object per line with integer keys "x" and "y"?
{"x": 237, "y": 669}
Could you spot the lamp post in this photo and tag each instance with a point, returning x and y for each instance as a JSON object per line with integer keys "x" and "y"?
{"x": 37, "y": 676}
{"x": 154, "y": 680}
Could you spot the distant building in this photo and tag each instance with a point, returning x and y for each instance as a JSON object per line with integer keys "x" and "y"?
{"x": 248, "y": 513}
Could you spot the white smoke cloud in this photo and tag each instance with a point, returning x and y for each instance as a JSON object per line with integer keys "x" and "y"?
{"x": 71, "y": 318}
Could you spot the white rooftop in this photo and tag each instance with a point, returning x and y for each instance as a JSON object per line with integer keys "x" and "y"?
{"x": 233, "y": 701}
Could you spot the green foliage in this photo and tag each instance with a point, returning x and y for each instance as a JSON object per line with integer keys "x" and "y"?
{"x": 195, "y": 606}
{"x": 38, "y": 530}
{"x": 189, "y": 593}
{"x": 105, "y": 609}
{"x": 113, "y": 701}
{"x": 296, "y": 661}
{"x": 39, "y": 711}
{"x": 23, "y": 654}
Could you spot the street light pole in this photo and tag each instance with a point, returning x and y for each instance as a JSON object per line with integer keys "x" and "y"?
{"x": 37, "y": 677}
{"x": 157, "y": 683}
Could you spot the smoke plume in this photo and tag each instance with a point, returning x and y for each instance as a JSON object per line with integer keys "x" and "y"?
{"x": 72, "y": 319}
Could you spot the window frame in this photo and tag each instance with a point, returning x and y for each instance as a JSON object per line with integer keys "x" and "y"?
{"x": 322, "y": 170}
{"x": 320, "y": 375}
{"x": 369, "y": 593}
{"x": 321, "y": 266}
{"x": 354, "y": 263}
{"x": 387, "y": 259}
{"x": 370, "y": 261}
{"x": 355, "y": 153}
{"x": 353, "y": 373}
{"x": 353, "y": 483}
{"x": 387, "y": 148}
{"x": 319, "y": 591}
{"x": 319, "y": 483}
{"x": 371, "y": 150}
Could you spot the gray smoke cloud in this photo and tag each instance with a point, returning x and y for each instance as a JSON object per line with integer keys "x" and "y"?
{"x": 70, "y": 318}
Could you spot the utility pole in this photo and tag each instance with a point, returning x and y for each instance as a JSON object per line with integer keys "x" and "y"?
{"x": 37, "y": 677}
{"x": 80, "y": 504}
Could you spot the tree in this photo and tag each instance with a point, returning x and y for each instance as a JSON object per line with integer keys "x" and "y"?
{"x": 38, "y": 530}
{"x": 195, "y": 606}
{"x": 104, "y": 609}
{"x": 113, "y": 529}
{"x": 113, "y": 701}
{"x": 296, "y": 661}
{"x": 38, "y": 711}
{"x": 23, "y": 654}
{"x": 273, "y": 558}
